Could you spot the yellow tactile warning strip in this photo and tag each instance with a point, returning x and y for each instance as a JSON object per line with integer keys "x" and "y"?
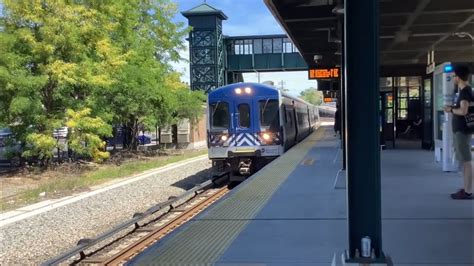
{"x": 207, "y": 238}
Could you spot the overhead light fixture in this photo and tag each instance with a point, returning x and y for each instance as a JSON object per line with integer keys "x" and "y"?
{"x": 338, "y": 10}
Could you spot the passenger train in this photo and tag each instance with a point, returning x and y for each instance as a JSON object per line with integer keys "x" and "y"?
{"x": 250, "y": 124}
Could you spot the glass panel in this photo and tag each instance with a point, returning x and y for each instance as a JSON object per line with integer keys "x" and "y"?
{"x": 295, "y": 50}
{"x": 401, "y": 81}
{"x": 267, "y": 46}
{"x": 277, "y": 45}
{"x": 389, "y": 116}
{"x": 257, "y": 46}
{"x": 287, "y": 46}
{"x": 238, "y": 47}
{"x": 386, "y": 82}
{"x": 244, "y": 115}
{"x": 414, "y": 92}
{"x": 248, "y": 47}
{"x": 402, "y": 92}
{"x": 402, "y": 103}
{"x": 220, "y": 115}
{"x": 402, "y": 114}
{"x": 289, "y": 117}
{"x": 414, "y": 81}
{"x": 269, "y": 118}
{"x": 389, "y": 100}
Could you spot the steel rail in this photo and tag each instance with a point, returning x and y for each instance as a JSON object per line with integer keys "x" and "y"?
{"x": 86, "y": 243}
{"x": 135, "y": 248}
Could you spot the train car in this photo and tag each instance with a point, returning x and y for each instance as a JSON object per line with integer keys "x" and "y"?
{"x": 250, "y": 124}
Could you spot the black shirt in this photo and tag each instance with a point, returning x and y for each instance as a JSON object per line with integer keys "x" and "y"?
{"x": 459, "y": 122}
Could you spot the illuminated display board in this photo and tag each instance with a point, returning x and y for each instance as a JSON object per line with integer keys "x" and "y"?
{"x": 324, "y": 73}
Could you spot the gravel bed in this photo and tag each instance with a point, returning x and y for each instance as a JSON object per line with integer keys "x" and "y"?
{"x": 35, "y": 239}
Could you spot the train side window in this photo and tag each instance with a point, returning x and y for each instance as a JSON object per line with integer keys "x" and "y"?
{"x": 289, "y": 117}
{"x": 244, "y": 115}
{"x": 220, "y": 115}
{"x": 284, "y": 111}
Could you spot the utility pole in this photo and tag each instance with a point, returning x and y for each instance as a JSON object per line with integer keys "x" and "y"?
{"x": 282, "y": 85}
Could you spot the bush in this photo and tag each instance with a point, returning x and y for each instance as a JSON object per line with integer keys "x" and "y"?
{"x": 85, "y": 134}
{"x": 40, "y": 146}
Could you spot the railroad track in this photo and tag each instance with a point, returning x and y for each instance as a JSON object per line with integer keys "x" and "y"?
{"x": 121, "y": 243}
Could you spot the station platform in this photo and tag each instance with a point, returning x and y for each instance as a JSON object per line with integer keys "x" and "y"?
{"x": 289, "y": 213}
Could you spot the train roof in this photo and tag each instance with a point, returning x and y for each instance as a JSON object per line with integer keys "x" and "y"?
{"x": 260, "y": 89}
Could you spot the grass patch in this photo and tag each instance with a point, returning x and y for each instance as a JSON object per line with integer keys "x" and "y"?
{"x": 63, "y": 186}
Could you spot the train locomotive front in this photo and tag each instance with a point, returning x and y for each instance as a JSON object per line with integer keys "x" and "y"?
{"x": 244, "y": 127}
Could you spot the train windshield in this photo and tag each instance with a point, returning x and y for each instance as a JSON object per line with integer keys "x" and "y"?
{"x": 219, "y": 115}
{"x": 269, "y": 118}
{"x": 244, "y": 115}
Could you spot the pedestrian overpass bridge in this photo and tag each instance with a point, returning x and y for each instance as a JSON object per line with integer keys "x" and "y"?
{"x": 216, "y": 60}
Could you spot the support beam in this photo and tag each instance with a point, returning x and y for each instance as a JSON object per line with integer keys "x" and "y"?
{"x": 447, "y": 35}
{"x": 362, "y": 132}
{"x": 408, "y": 23}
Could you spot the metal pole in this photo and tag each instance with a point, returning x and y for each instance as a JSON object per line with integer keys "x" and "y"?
{"x": 362, "y": 121}
{"x": 343, "y": 100}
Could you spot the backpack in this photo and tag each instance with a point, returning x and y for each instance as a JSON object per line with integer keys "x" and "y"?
{"x": 470, "y": 116}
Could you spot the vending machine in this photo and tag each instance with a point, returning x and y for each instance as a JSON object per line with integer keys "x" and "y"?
{"x": 444, "y": 94}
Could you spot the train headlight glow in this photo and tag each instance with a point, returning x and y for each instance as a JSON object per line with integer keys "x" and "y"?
{"x": 224, "y": 138}
{"x": 238, "y": 91}
{"x": 266, "y": 136}
{"x": 248, "y": 90}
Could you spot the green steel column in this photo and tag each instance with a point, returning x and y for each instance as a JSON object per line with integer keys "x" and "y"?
{"x": 362, "y": 121}
{"x": 206, "y": 47}
{"x": 343, "y": 100}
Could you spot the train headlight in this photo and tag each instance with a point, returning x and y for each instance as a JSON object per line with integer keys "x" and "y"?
{"x": 224, "y": 138}
{"x": 248, "y": 90}
{"x": 266, "y": 136}
{"x": 238, "y": 91}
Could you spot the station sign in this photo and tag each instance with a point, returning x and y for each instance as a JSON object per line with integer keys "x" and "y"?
{"x": 324, "y": 73}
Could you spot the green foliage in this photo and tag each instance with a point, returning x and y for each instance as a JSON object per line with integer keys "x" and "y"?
{"x": 112, "y": 57}
{"x": 85, "y": 134}
{"x": 312, "y": 95}
{"x": 40, "y": 146}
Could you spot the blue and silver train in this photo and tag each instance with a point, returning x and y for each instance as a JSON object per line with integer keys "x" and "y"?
{"x": 249, "y": 124}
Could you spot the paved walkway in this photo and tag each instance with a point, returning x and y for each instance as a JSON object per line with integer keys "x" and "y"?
{"x": 290, "y": 214}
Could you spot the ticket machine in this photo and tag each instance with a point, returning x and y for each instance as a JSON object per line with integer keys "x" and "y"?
{"x": 444, "y": 94}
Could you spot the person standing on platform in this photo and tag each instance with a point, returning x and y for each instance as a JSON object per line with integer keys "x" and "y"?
{"x": 462, "y": 134}
{"x": 337, "y": 120}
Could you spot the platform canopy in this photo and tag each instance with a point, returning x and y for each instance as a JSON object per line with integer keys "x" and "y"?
{"x": 408, "y": 29}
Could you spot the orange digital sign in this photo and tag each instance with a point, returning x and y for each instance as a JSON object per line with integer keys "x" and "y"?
{"x": 324, "y": 73}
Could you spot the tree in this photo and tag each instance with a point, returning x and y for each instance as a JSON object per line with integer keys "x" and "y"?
{"x": 112, "y": 57}
{"x": 145, "y": 93}
{"x": 312, "y": 95}
{"x": 53, "y": 53}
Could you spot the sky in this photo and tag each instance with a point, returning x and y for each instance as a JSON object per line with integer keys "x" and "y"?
{"x": 243, "y": 20}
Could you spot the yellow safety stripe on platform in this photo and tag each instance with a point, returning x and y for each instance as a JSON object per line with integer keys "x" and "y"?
{"x": 206, "y": 239}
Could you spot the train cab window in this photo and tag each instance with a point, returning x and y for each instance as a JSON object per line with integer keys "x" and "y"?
{"x": 220, "y": 115}
{"x": 269, "y": 117}
{"x": 244, "y": 115}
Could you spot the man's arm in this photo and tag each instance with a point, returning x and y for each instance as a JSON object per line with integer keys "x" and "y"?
{"x": 463, "y": 109}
